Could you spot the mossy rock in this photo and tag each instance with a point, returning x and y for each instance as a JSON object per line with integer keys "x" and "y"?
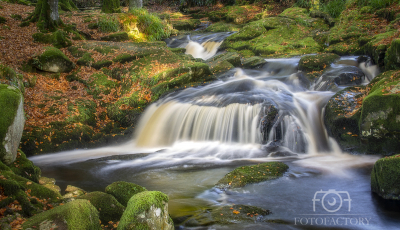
{"x": 25, "y": 168}
{"x": 147, "y": 210}
{"x": 71, "y": 192}
{"x": 53, "y": 60}
{"x": 223, "y": 27}
{"x": 248, "y": 32}
{"x": 385, "y": 177}
{"x": 342, "y": 115}
{"x": 237, "y": 14}
{"x": 228, "y": 215}
{"x": 76, "y": 52}
{"x": 123, "y": 191}
{"x": 84, "y": 112}
{"x": 320, "y": 14}
{"x": 127, "y": 117}
{"x": 230, "y": 57}
{"x": 11, "y": 122}
{"x": 123, "y": 58}
{"x": 217, "y": 67}
{"x": 100, "y": 64}
{"x": 59, "y": 39}
{"x": 253, "y": 62}
{"x": 317, "y": 62}
{"x": 392, "y": 57}
{"x": 111, "y": 6}
{"x": 377, "y": 47}
{"x": 244, "y": 175}
{"x": 9, "y": 77}
{"x": 100, "y": 83}
{"x": 188, "y": 24}
{"x": 78, "y": 214}
{"x": 109, "y": 208}
{"x": 86, "y": 59}
{"x": 116, "y": 37}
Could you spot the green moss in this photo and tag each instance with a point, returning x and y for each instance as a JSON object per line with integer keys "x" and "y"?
{"x": 10, "y": 98}
{"x": 376, "y": 48}
{"x": 230, "y": 57}
{"x": 116, "y": 37}
{"x": 24, "y": 24}
{"x": 220, "y": 66}
{"x": 9, "y": 77}
{"x": 101, "y": 64}
{"x": 123, "y": 58}
{"x": 188, "y": 24}
{"x": 105, "y": 49}
{"x": 317, "y": 62}
{"x": 2, "y": 20}
{"x": 86, "y": 59}
{"x": 111, "y": 6}
{"x": 53, "y": 60}
{"x": 109, "y": 208}
{"x": 245, "y": 53}
{"x": 58, "y": 39}
{"x": 78, "y": 214}
{"x": 16, "y": 16}
{"x": 76, "y": 52}
{"x": 248, "y": 32}
{"x": 123, "y": 191}
{"x": 86, "y": 113}
{"x": 392, "y": 57}
{"x": 223, "y": 27}
{"x": 253, "y": 62}
{"x": 385, "y": 177}
{"x": 25, "y": 168}
{"x": 253, "y": 174}
{"x": 100, "y": 84}
{"x": 93, "y": 25}
{"x": 138, "y": 204}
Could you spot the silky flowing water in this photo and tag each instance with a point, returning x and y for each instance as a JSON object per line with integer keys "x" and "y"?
{"x": 185, "y": 142}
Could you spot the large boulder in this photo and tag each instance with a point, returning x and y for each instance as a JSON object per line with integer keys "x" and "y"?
{"x": 317, "y": 63}
{"x": 147, "y": 210}
{"x": 385, "y": 177}
{"x": 123, "y": 191}
{"x": 109, "y": 208}
{"x": 78, "y": 214}
{"x": 392, "y": 58}
{"x": 53, "y": 60}
{"x": 9, "y": 77}
{"x": 12, "y": 121}
{"x": 244, "y": 175}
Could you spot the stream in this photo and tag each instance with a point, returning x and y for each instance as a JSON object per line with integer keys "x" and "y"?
{"x": 185, "y": 142}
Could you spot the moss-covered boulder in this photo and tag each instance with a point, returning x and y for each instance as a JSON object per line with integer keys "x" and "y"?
{"x": 223, "y": 27}
{"x": 244, "y": 175}
{"x": 253, "y": 62}
{"x": 100, "y": 64}
{"x": 12, "y": 121}
{"x": 116, "y": 37}
{"x": 59, "y": 39}
{"x": 25, "y": 168}
{"x": 317, "y": 62}
{"x": 9, "y": 77}
{"x": 188, "y": 24}
{"x": 109, "y": 208}
{"x": 364, "y": 119}
{"x": 123, "y": 191}
{"x": 392, "y": 58}
{"x": 228, "y": 215}
{"x": 86, "y": 59}
{"x": 78, "y": 214}
{"x": 385, "y": 177}
{"x": 377, "y": 46}
{"x": 53, "y": 60}
{"x": 71, "y": 192}
{"x": 49, "y": 183}
{"x": 147, "y": 210}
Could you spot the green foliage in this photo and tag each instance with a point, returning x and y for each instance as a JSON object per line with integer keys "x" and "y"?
{"x": 108, "y": 24}
{"x": 111, "y": 6}
{"x": 334, "y": 7}
{"x": 303, "y": 3}
{"x": 142, "y": 25}
{"x": 377, "y": 4}
{"x": 2, "y": 20}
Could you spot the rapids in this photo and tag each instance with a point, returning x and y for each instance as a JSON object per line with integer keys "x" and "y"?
{"x": 185, "y": 142}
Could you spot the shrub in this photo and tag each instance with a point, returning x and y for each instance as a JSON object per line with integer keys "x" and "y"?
{"x": 334, "y": 7}
{"x": 108, "y": 24}
{"x": 377, "y": 4}
{"x": 143, "y": 26}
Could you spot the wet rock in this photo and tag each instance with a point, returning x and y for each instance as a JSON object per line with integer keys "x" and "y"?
{"x": 123, "y": 191}
{"x": 333, "y": 78}
{"x": 377, "y": 47}
{"x": 49, "y": 183}
{"x": 12, "y": 122}
{"x": 232, "y": 214}
{"x": 385, "y": 177}
{"x": 189, "y": 24}
{"x": 53, "y": 60}
{"x": 253, "y": 62}
{"x": 109, "y": 208}
{"x": 78, "y": 214}
{"x": 147, "y": 210}
{"x": 71, "y": 192}
{"x": 244, "y": 175}
{"x": 313, "y": 65}
{"x": 392, "y": 58}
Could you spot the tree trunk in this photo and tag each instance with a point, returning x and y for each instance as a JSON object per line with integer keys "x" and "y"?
{"x": 111, "y": 6}
{"x": 46, "y": 15}
{"x": 135, "y": 4}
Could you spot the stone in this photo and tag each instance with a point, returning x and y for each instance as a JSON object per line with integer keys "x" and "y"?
{"x": 12, "y": 122}
{"x": 147, "y": 210}
{"x": 385, "y": 177}
{"x": 53, "y": 60}
{"x": 123, "y": 191}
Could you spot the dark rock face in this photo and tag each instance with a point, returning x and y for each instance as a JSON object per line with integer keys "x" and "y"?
{"x": 347, "y": 76}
